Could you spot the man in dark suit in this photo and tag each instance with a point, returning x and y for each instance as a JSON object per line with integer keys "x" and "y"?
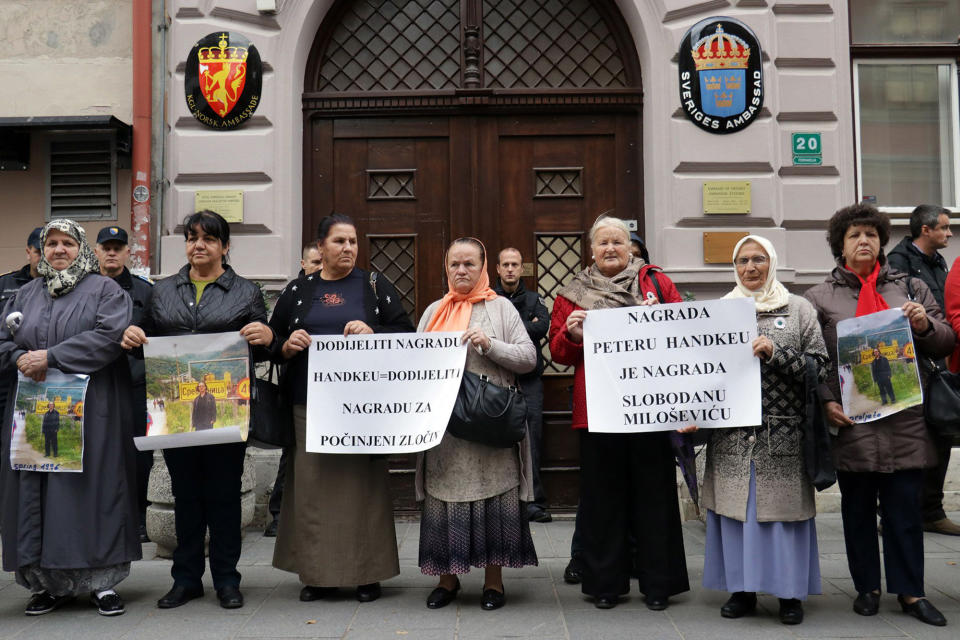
{"x": 204, "y": 409}
{"x": 113, "y": 252}
{"x": 536, "y": 320}
{"x": 50, "y": 427}
{"x": 880, "y": 369}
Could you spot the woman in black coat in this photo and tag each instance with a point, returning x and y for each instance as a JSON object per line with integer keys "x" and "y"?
{"x": 206, "y": 296}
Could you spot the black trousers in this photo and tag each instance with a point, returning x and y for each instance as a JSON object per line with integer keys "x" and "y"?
{"x": 899, "y": 495}
{"x": 628, "y": 481}
{"x": 533, "y": 393}
{"x": 206, "y": 486}
{"x": 933, "y": 478}
{"x": 886, "y": 391}
{"x": 276, "y": 495}
{"x": 50, "y": 442}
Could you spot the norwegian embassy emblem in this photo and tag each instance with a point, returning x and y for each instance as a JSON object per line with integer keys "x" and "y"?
{"x": 223, "y": 77}
{"x": 721, "y": 75}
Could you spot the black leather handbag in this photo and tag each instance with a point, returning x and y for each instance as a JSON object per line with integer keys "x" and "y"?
{"x": 941, "y": 400}
{"x": 271, "y": 419}
{"x": 487, "y": 413}
{"x": 817, "y": 459}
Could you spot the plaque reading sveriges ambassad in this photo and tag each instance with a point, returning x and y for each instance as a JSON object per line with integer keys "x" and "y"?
{"x": 222, "y": 80}
{"x": 721, "y": 75}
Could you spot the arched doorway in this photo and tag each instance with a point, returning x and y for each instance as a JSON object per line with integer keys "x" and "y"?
{"x": 515, "y": 121}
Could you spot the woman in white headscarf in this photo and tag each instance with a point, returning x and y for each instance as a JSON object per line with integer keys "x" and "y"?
{"x": 761, "y": 534}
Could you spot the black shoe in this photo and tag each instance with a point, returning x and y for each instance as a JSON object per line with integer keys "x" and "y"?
{"x": 867, "y": 603}
{"x": 179, "y": 595}
{"x": 144, "y": 538}
{"x": 605, "y": 602}
{"x": 740, "y": 604}
{"x": 230, "y": 597}
{"x": 492, "y": 599}
{"x": 923, "y": 611}
{"x": 111, "y": 604}
{"x": 573, "y": 574}
{"x": 791, "y": 611}
{"x": 368, "y": 592}
{"x": 43, "y": 602}
{"x": 540, "y": 515}
{"x": 271, "y": 530}
{"x": 309, "y": 594}
{"x": 440, "y": 597}
{"x": 656, "y": 603}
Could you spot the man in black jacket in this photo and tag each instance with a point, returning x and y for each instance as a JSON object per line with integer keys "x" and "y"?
{"x": 919, "y": 256}
{"x": 536, "y": 320}
{"x": 49, "y": 427}
{"x": 882, "y": 377}
{"x": 204, "y": 409}
{"x": 113, "y": 252}
{"x": 10, "y": 283}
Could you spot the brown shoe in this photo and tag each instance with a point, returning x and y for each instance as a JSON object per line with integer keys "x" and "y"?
{"x": 946, "y": 527}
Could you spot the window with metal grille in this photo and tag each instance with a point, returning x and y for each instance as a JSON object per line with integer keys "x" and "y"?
{"x": 81, "y": 183}
{"x": 559, "y": 258}
{"x": 395, "y": 258}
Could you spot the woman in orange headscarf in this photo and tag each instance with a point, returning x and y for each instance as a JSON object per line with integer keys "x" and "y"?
{"x": 471, "y": 492}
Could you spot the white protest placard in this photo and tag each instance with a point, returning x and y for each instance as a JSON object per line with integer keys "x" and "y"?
{"x": 666, "y": 366}
{"x": 381, "y": 393}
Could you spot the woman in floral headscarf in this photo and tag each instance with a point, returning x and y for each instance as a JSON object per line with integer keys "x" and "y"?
{"x": 69, "y": 533}
{"x": 761, "y": 534}
{"x": 471, "y": 492}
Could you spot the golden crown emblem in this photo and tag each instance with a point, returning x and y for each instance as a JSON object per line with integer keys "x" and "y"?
{"x": 721, "y": 50}
{"x": 725, "y": 100}
{"x": 222, "y": 53}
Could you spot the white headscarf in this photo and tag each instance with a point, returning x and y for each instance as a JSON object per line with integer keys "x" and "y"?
{"x": 772, "y": 295}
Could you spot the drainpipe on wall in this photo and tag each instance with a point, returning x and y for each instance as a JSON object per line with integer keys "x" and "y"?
{"x": 140, "y": 165}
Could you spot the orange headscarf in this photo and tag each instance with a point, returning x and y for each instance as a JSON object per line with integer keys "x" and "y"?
{"x": 453, "y": 312}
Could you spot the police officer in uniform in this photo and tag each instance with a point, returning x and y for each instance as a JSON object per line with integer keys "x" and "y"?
{"x": 536, "y": 320}
{"x": 113, "y": 252}
{"x": 10, "y": 283}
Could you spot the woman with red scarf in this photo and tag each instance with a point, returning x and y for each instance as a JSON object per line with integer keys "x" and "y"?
{"x": 881, "y": 459}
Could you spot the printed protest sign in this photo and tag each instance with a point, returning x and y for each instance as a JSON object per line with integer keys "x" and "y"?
{"x": 198, "y": 390}
{"x": 666, "y": 366}
{"x": 381, "y": 393}
{"x": 877, "y": 365}
{"x": 48, "y": 423}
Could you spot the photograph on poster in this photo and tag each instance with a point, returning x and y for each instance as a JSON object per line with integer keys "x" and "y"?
{"x": 198, "y": 390}
{"x": 877, "y": 365}
{"x": 48, "y": 423}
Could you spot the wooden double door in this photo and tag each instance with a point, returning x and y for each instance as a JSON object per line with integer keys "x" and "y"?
{"x": 412, "y": 184}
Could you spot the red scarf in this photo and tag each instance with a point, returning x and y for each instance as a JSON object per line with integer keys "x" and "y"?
{"x": 870, "y": 300}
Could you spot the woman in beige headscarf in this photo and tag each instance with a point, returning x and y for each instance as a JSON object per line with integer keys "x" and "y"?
{"x": 761, "y": 534}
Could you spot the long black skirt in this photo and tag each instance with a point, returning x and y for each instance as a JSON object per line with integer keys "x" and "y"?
{"x": 629, "y": 515}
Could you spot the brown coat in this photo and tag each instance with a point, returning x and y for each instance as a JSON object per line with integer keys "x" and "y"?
{"x": 899, "y": 441}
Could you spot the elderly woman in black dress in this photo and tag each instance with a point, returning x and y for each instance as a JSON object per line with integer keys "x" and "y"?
{"x": 69, "y": 533}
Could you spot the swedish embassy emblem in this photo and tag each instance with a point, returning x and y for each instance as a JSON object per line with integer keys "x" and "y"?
{"x": 721, "y": 76}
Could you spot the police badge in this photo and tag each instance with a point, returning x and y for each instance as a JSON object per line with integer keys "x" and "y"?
{"x": 721, "y": 75}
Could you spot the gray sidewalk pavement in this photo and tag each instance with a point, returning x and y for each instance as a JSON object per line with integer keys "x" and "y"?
{"x": 539, "y": 604}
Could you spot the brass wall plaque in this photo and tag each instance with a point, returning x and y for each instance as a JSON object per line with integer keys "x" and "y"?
{"x": 726, "y": 196}
{"x": 528, "y": 270}
{"x": 227, "y": 202}
{"x": 718, "y": 246}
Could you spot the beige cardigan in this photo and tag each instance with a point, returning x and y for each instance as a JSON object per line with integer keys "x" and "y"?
{"x": 461, "y": 471}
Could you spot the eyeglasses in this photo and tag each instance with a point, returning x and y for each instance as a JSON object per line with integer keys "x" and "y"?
{"x": 756, "y": 260}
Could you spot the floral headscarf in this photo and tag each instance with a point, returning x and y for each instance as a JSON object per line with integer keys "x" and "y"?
{"x": 62, "y": 282}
